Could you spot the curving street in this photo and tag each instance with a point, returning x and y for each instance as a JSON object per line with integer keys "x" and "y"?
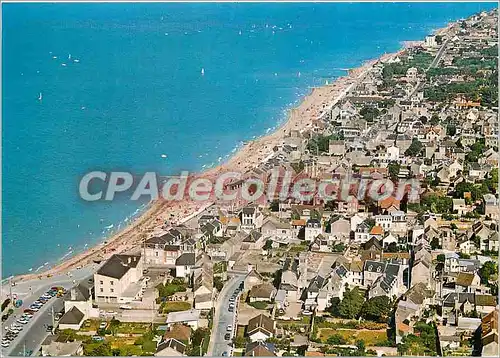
{"x": 223, "y": 318}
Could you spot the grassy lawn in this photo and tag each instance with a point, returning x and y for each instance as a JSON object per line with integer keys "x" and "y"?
{"x": 171, "y": 288}
{"x": 220, "y": 267}
{"x": 175, "y": 306}
{"x": 260, "y": 305}
{"x": 132, "y": 327}
{"x": 90, "y": 325}
{"x": 351, "y": 336}
{"x": 298, "y": 248}
{"x": 240, "y": 332}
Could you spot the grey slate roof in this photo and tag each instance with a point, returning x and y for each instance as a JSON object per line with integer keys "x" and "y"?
{"x": 73, "y": 316}
{"x": 118, "y": 265}
{"x": 186, "y": 259}
{"x": 172, "y": 343}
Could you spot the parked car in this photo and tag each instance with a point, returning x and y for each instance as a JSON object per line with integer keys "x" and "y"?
{"x": 97, "y": 338}
{"x": 126, "y": 307}
{"x": 103, "y": 325}
{"x": 229, "y": 328}
{"x": 227, "y": 336}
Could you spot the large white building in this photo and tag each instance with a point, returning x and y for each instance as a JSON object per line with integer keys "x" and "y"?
{"x": 119, "y": 279}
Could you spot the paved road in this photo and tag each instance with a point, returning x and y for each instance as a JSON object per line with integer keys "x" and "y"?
{"x": 433, "y": 64}
{"x": 34, "y": 332}
{"x": 222, "y": 318}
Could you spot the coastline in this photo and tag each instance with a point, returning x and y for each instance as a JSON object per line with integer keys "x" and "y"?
{"x": 247, "y": 157}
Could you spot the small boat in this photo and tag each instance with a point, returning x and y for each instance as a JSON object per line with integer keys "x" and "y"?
{"x": 69, "y": 56}
{"x": 76, "y": 60}
{"x": 40, "y": 96}
{"x": 239, "y": 32}
{"x": 63, "y": 64}
{"x": 163, "y": 155}
{"x": 202, "y": 71}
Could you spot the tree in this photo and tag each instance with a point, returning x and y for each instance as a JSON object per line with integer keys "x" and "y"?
{"x": 268, "y": 245}
{"x": 451, "y": 130}
{"x": 435, "y": 243}
{"x": 336, "y": 339}
{"x": 218, "y": 283}
{"x": 441, "y": 257}
{"x": 376, "y": 309}
{"x": 394, "y": 170}
{"x": 334, "y": 306}
{"x": 351, "y": 304}
{"x": 392, "y": 247}
{"x": 274, "y": 206}
{"x": 488, "y": 271}
{"x": 415, "y": 148}
{"x": 423, "y": 119}
{"x": 369, "y": 113}
{"x": 361, "y": 348}
{"x": 434, "y": 119}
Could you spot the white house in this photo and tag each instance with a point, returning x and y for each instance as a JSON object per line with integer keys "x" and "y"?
{"x": 119, "y": 279}
{"x": 313, "y": 229}
{"x": 189, "y": 317}
{"x": 260, "y": 328}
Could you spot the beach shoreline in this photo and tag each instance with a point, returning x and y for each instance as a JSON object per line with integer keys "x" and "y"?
{"x": 299, "y": 118}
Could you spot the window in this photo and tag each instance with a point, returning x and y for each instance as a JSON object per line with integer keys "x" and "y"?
{"x": 156, "y": 253}
{"x": 102, "y": 289}
{"x": 111, "y": 290}
{"x": 101, "y": 282}
{"x": 111, "y": 283}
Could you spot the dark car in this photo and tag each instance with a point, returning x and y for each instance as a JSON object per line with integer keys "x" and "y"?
{"x": 227, "y": 336}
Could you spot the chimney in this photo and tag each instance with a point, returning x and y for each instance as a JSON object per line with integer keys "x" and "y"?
{"x": 73, "y": 294}
{"x": 129, "y": 259}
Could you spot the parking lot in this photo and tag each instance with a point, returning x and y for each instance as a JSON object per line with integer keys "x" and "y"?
{"x": 35, "y": 321}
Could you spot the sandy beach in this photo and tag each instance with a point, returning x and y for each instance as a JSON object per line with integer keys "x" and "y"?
{"x": 248, "y": 157}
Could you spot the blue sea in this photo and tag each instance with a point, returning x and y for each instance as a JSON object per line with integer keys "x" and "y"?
{"x": 121, "y": 85}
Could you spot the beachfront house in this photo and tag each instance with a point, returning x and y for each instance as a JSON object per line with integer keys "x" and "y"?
{"x": 119, "y": 280}
{"x": 78, "y": 305}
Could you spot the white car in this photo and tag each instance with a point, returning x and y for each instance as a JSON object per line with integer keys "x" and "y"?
{"x": 229, "y": 328}
{"x": 126, "y": 307}
{"x": 103, "y": 325}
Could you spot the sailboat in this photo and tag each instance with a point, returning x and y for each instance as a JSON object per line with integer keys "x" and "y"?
{"x": 202, "y": 71}
{"x": 69, "y": 56}
{"x": 40, "y": 96}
